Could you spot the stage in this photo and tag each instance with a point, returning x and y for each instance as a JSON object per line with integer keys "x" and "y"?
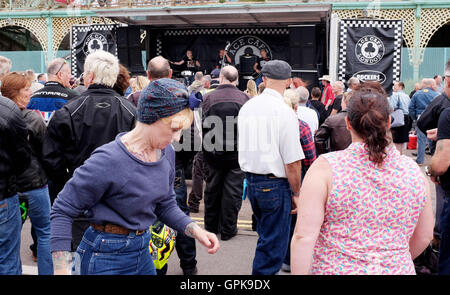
{"x": 297, "y": 33}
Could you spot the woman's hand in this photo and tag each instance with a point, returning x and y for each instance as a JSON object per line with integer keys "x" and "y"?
{"x": 207, "y": 239}
{"x": 62, "y": 263}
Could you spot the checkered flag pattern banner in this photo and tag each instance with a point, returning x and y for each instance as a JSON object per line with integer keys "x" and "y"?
{"x": 86, "y": 39}
{"x": 370, "y": 50}
{"x": 227, "y": 31}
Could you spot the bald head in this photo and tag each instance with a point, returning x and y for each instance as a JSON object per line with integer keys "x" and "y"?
{"x": 228, "y": 75}
{"x": 157, "y": 68}
{"x": 429, "y": 83}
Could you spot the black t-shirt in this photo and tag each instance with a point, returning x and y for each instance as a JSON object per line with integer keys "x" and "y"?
{"x": 321, "y": 109}
{"x": 261, "y": 62}
{"x": 189, "y": 64}
{"x": 336, "y": 105}
{"x": 444, "y": 133}
{"x": 219, "y": 61}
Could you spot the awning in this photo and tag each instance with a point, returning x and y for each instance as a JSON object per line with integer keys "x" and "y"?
{"x": 223, "y": 15}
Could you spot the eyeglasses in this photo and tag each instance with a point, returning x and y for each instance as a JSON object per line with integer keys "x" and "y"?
{"x": 65, "y": 62}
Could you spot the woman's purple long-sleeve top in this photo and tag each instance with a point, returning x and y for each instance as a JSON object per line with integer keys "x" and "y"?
{"x": 113, "y": 186}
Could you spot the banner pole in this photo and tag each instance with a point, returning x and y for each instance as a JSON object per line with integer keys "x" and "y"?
{"x": 49, "y": 39}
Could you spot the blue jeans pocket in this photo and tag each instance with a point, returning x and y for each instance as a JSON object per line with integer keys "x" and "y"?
{"x": 111, "y": 246}
{"x": 268, "y": 197}
{"x": 117, "y": 263}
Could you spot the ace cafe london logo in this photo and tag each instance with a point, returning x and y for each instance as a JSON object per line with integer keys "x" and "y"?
{"x": 369, "y": 50}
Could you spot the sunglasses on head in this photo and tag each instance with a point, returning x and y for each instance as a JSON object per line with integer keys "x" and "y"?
{"x": 19, "y": 73}
{"x": 60, "y": 68}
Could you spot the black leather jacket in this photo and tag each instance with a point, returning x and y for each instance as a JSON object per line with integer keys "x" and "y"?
{"x": 82, "y": 125}
{"x": 15, "y": 150}
{"x": 34, "y": 176}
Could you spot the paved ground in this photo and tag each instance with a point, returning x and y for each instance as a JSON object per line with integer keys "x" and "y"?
{"x": 234, "y": 257}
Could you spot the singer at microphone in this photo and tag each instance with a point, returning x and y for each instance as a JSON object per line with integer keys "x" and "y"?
{"x": 220, "y": 59}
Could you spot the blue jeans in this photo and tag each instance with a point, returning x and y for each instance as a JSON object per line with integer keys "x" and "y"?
{"x": 184, "y": 245}
{"x": 271, "y": 202}
{"x": 10, "y": 227}
{"x": 440, "y": 193}
{"x": 444, "y": 245}
{"x": 101, "y": 253}
{"x": 421, "y": 145}
{"x": 39, "y": 213}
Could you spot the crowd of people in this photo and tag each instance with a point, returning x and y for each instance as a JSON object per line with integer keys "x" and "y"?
{"x": 102, "y": 158}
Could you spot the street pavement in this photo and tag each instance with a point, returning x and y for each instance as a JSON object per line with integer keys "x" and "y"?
{"x": 234, "y": 257}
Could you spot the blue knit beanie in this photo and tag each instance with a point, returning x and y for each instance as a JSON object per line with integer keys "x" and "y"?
{"x": 161, "y": 98}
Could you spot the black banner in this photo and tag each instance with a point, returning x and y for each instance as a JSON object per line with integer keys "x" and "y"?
{"x": 86, "y": 39}
{"x": 371, "y": 51}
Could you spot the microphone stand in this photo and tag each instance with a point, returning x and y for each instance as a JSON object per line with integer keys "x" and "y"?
{"x": 225, "y": 54}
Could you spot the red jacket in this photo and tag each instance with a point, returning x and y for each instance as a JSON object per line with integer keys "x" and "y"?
{"x": 327, "y": 95}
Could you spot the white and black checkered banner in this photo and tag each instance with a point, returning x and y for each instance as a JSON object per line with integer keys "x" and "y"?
{"x": 86, "y": 39}
{"x": 370, "y": 50}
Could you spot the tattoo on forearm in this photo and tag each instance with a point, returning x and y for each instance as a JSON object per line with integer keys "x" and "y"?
{"x": 439, "y": 146}
{"x": 62, "y": 260}
{"x": 189, "y": 230}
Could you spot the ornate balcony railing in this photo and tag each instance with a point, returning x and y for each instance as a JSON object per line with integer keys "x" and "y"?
{"x": 96, "y": 4}
{"x": 102, "y": 4}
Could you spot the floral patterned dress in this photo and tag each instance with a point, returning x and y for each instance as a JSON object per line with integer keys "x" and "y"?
{"x": 370, "y": 214}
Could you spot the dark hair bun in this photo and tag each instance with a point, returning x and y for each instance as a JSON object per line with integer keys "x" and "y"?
{"x": 368, "y": 114}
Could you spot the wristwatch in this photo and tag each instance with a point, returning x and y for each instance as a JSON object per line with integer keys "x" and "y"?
{"x": 427, "y": 171}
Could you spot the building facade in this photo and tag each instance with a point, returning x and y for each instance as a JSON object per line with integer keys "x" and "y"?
{"x": 50, "y": 20}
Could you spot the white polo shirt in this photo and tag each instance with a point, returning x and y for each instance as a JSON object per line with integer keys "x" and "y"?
{"x": 309, "y": 116}
{"x": 269, "y": 135}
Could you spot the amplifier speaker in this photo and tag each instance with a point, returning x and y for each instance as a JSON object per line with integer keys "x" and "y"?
{"x": 303, "y": 47}
{"x": 129, "y": 49}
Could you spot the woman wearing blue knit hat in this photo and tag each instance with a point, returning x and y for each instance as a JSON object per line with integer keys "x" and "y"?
{"x": 124, "y": 187}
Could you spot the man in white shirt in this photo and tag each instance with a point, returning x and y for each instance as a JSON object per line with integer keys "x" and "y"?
{"x": 270, "y": 154}
{"x": 307, "y": 114}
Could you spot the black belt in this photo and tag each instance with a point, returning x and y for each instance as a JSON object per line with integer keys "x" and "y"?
{"x": 271, "y": 175}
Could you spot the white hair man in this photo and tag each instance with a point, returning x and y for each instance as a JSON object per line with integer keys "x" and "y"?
{"x": 338, "y": 91}
{"x": 89, "y": 121}
{"x": 5, "y": 67}
{"x": 56, "y": 92}
{"x": 304, "y": 113}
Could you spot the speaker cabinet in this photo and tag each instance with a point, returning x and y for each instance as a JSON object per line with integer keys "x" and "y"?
{"x": 303, "y": 47}
{"x": 129, "y": 48}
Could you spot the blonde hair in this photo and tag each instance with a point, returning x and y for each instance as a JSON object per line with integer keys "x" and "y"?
{"x": 182, "y": 119}
{"x": 104, "y": 66}
{"x": 251, "y": 88}
{"x": 139, "y": 83}
{"x": 287, "y": 101}
{"x": 293, "y": 96}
